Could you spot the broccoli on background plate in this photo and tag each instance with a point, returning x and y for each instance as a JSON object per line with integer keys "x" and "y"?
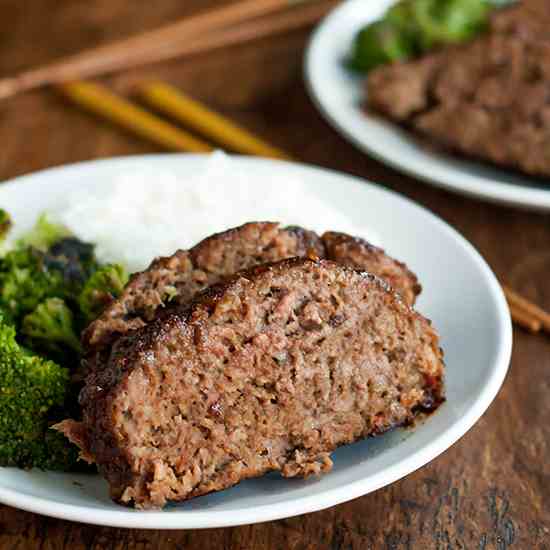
{"x": 413, "y": 27}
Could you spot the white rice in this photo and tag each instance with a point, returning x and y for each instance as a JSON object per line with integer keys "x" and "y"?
{"x": 150, "y": 213}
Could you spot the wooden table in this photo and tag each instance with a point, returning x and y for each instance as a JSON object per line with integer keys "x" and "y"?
{"x": 489, "y": 491}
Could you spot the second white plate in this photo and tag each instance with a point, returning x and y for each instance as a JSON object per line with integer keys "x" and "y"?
{"x": 340, "y": 94}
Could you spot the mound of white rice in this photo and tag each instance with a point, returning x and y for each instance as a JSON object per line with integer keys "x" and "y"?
{"x": 152, "y": 213}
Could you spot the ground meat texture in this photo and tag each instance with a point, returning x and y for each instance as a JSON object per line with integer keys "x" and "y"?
{"x": 176, "y": 279}
{"x": 270, "y": 371}
{"x": 488, "y": 99}
{"x": 356, "y": 252}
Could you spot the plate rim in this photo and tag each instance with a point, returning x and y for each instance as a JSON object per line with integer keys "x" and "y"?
{"x": 474, "y": 186}
{"x": 215, "y": 519}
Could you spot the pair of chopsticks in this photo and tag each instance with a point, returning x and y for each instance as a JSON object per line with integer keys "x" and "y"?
{"x": 526, "y": 314}
{"x": 232, "y": 24}
{"x": 165, "y": 98}
{"x": 235, "y": 23}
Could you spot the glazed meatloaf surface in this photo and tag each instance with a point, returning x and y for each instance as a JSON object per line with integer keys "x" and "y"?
{"x": 488, "y": 99}
{"x": 176, "y": 279}
{"x": 270, "y": 371}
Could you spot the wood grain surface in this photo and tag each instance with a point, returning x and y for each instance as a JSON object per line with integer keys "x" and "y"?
{"x": 489, "y": 491}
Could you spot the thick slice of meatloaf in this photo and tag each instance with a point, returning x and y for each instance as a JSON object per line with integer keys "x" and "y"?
{"x": 176, "y": 279}
{"x": 269, "y": 371}
{"x": 488, "y": 99}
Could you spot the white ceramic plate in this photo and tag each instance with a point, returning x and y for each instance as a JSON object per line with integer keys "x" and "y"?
{"x": 339, "y": 95}
{"x": 461, "y": 296}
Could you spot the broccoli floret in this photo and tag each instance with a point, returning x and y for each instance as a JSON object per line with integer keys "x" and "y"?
{"x": 412, "y": 27}
{"x": 52, "y": 451}
{"x": 101, "y": 288}
{"x": 449, "y": 21}
{"x": 5, "y": 224}
{"x": 28, "y": 276}
{"x": 25, "y": 282}
{"x": 30, "y": 387}
{"x": 44, "y": 234}
{"x": 51, "y": 325}
{"x": 47, "y": 262}
{"x": 379, "y": 43}
{"x": 75, "y": 261}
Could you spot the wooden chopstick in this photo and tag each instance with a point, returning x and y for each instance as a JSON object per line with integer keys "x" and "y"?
{"x": 163, "y": 43}
{"x": 285, "y": 21}
{"x": 519, "y": 304}
{"x": 524, "y": 320}
{"x": 101, "y": 101}
{"x": 193, "y": 114}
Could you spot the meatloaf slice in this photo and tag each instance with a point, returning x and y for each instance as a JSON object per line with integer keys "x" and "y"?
{"x": 488, "y": 99}
{"x": 269, "y": 371}
{"x": 176, "y": 279}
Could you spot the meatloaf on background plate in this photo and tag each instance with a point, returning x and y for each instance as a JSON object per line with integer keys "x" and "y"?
{"x": 488, "y": 99}
{"x": 270, "y": 370}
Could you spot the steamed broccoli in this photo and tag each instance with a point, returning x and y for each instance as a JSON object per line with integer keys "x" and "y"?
{"x": 449, "y": 22}
{"x": 43, "y": 234}
{"x": 30, "y": 387}
{"x": 50, "y": 451}
{"x": 28, "y": 275}
{"x": 101, "y": 288}
{"x": 51, "y": 284}
{"x": 25, "y": 282}
{"x": 379, "y": 43}
{"x": 51, "y": 325}
{"x": 74, "y": 261}
{"x": 5, "y": 224}
{"x": 412, "y": 27}
{"x": 25, "y": 279}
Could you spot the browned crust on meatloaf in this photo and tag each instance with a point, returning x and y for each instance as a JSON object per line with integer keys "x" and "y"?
{"x": 488, "y": 99}
{"x": 176, "y": 279}
{"x": 271, "y": 370}
{"x": 358, "y": 253}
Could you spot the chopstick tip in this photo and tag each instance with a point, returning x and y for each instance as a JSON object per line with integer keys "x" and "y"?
{"x": 8, "y": 87}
